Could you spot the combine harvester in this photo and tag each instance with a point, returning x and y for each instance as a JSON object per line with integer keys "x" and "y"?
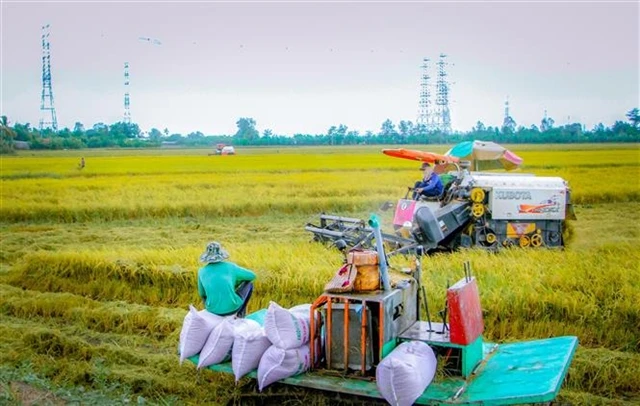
{"x": 365, "y": 332}
{"x": 477, "y": 209}
{"x": 222, "y": 149}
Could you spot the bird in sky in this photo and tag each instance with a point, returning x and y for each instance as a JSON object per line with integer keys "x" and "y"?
{"x": 150, "y": 40}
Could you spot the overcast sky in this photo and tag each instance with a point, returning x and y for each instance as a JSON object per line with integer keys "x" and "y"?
{"x": 302, "y": 67}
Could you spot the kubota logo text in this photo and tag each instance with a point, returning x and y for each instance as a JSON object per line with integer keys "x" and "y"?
{"x": 513, "y": 195}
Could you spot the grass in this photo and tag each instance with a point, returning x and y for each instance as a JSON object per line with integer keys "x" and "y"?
{"x": 97, "y": 267}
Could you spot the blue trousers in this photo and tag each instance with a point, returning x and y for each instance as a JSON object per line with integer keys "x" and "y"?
{"x": 244, "y": 290}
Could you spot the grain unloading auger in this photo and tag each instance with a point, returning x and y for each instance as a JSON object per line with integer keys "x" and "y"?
{"x": 354, "y": 334}
{"x": 477, "y": 209}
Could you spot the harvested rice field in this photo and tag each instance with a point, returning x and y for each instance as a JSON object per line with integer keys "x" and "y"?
{"x": 98, "y": 266}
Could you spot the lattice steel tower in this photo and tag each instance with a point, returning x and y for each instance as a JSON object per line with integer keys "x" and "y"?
{"x": 441, "y": 116}
{"x": 506, "y": 112}
{"x": 424, "y": 105}
{"x": 47, "y": 109}
{"x": 127, "y": 112}
{"x": 508, "y": 123}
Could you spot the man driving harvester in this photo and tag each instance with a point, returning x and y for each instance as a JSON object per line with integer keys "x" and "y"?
{"x": 225, "y": 288}
{"x": 430, "y": 186}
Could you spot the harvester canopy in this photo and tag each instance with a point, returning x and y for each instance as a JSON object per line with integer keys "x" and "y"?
{"x": 485, "y": 155}
{"x": 422, "y": 156}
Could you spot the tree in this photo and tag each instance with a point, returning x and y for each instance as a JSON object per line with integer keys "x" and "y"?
{"x": 406, "y": 128}
{"x": 23, "y": 132}
{"x": 78, "y": 128}
{"x": 480, "y": 127}
{"x": 100, "y": 127}
{"x": 247, "y": 133}
{"x": 547, "y": 123}
{"x": 122, "y": 130}
{"x": 508, "y": 125}
{"x": 420, "y": 130}
{"x": 155, "y": 134}
{"x": 336, "y": 135}
{"x": 6, "y": 136}
{"x": 388, "y": 128}
{"x": 634, "y": 117}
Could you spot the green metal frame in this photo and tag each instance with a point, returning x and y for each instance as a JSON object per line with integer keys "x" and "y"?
{"x": 513, "y": 373}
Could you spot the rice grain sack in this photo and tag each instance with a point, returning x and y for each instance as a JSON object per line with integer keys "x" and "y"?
{"x": 217, "y": 348}
{"x": 287, "y": 329}
{"x": 278, "y": 363}
{"x": 405, "y": 373}
{"x": 196, "y": 328}
{"x": 249, "y": 345}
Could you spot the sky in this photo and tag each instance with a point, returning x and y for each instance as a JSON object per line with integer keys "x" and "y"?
{"x": 302, "y": 67}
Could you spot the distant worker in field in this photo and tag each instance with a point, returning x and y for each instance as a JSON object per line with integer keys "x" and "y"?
{"x": 430, "y": 186}
{"x": 225, "y": 288}
{"x": 81, "y": 164}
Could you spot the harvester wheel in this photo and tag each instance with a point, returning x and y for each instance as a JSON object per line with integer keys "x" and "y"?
{"x": 477, "y": 209}
{"x": 477, "y": 195}
{"x": 524, "y": 241}
{"x": 491, "y": 238}
{"x": 536, "y": 240}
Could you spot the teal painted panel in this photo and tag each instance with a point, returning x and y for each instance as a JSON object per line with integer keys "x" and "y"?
{"x": 529, "y": 372}
{"x": 472, "y": 354}
{"x": 515, "y": 373}
{"x": 257, "y": 316}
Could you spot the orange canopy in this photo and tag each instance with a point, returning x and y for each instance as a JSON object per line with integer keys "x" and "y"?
{"x": 422, "y": 156}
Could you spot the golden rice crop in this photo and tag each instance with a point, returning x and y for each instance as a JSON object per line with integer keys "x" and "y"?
{"x": 98, "y": 266}
{"x": 219, "y": 193}
{"x": 118, "y": 317}
{"x": 530, "y": 296}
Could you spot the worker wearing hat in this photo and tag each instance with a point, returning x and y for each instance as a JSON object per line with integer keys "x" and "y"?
{"x": 225, "y": 288}
{"x": 430, "y": 185}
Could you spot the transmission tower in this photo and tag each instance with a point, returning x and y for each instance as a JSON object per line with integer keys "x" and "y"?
{"x": 127, "y": 112}
{"x": 505, "y": 122}
{"x": 508, "y": 122}
{"x": 424, "y": 105}
{"x": 442, "y": 118}
{"x": 47, "y": 109}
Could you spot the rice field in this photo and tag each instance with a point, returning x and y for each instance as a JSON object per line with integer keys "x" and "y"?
{"x": 98, "y": 266}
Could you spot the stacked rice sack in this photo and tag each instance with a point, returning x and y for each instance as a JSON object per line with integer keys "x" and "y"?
{"x": 278, "y": 350}
{"x": 249, "y": 345}
{"x": 216, "y": 339}
{"x": 196, "y": 328}
{"x": 289, "y": 333}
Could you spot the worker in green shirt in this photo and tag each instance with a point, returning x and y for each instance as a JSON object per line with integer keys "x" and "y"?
{"x": 225, "y": 288}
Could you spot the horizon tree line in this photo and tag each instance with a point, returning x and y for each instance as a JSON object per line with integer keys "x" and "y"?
{"x": 129, "y": 135}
